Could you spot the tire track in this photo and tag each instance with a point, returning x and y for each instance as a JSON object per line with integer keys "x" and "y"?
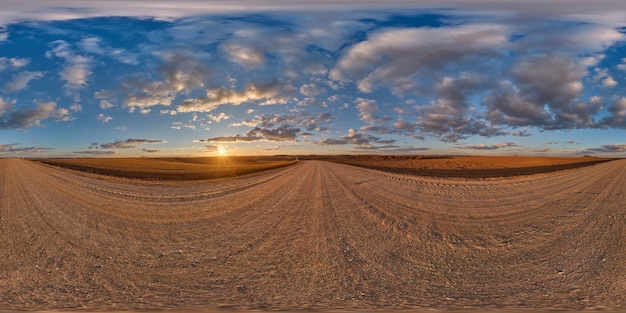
{"x": 314, "y": 235}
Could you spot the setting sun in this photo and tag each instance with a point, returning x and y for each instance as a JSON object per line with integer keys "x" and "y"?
{"x": 221, "y": 150}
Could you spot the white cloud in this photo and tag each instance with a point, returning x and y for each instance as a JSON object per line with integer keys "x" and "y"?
{"x": 218, "y": 118}
{"x": 12, "y": 63}
{"x": 367, "y": 110}
{"x": 20, "y": 81}
{"x": 310, "y": 90}
{"x": 622, "y": 66}
{"x": 101, "y": 94}
{"x": 393, "y": 57}
{"x": 609, "y": 82}
{"x": 77, "y": 67}
{"x": 26, "y": 117}
{"x": 92, "y": 45}
{"x": 106, "y": 104}
{"x": 95, "y": 45}
{"x": 103, "y": 118}
{"x": 126, "y": 144}
{"x": 168, "y": 112}
{"x": 274, "y": 92}
{"x": 76, "y": 107}
{"x": 243, "y": 55}
{"x": 182, "y": 73}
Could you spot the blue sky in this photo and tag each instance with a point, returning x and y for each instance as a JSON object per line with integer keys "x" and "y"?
{"x": 191, "y": 78}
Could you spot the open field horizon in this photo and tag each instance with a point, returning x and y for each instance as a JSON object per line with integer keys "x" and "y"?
{"x": 202, "y": 168}
{"x": 313, "y": 235}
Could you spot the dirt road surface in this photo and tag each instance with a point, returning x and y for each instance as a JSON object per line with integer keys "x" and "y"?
{"x": 313, "y": 235}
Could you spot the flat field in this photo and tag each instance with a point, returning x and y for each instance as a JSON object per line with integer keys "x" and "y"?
{"x": 178, "y": 169}
{"x": 467, "y": 166}
{"x": 314, "y": 235}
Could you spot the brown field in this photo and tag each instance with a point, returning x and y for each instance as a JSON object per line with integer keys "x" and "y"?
{"x": 314, "y": 235}
{"x": 467, "y": 166}
{"x": 172, "y": 168}
{"x": 180, "y": 169}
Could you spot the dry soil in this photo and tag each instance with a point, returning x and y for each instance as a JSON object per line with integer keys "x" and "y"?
{"x": 313, "y": 235}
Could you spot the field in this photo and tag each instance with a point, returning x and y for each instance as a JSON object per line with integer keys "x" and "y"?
{"x": 476, "y": 167}
{"x": 179, "y": 169}
{"x": 313, "y": 234}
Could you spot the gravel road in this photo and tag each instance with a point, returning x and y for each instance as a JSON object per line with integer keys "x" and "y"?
{"x": 312, "y": 235}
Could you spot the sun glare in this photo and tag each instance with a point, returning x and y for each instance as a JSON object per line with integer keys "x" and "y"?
{"x": 221, "y": 150}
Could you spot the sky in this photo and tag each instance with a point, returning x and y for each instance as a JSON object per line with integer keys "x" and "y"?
{"x": 203, "y": 78}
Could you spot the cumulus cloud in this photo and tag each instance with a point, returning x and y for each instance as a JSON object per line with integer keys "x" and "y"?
{"x": 332, "y": 142}
{"x": 12, "y": 63}
{"x": 402, "y": 125}
{"x": 105, "y": 104}
{"x": 622, "y": 66}
{"x": 76, "y": 107}
{"x": 182, "y": 72}
{"x": 489, "y": 147}
{"x": 544, "y": 92}
{"x": 309, "y": 121}
{"x": 101, "y": 94}
{"x": 95, "y": 45}
{"x": 284, "y": 132}
{"x": 104, "y": 118}
{"x": 449, "y": 117}
{"x": 310, "y": 90}
{"x": 612, "y": 148}
{"x": 367, "y": 110}
{"x": 609, "y": 82}
{"x": 618, "y": 114}
{"x": 393, "y": 57}
{"x": 15, "y": 148}
{"x": 92, "y": 45}
{"x": 219, "y": 117}
{"x": 521, "y": 133}
{"x": 268, "y": 93}
{"x": 125, "y": 144}
{"x": 360, "y": 138}
{"x": 20, "y": 81}
{"x": 77, "y": 67}
{"x": 580, "y": 39}
{"x": 26, "y": 117}
{"x": 246, "y": 56}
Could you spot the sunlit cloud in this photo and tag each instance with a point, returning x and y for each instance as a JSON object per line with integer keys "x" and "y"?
{"x": 125, "y": 144}
{"x": 489, "y": 147}
{"x": 15, "y": 148}
{"x": 20, "y": 81}
{"x": 104, "y": 118}
{"x": 12, "y": 63}
{"x": 77, "y": 68}
{"x": 26, "y": 117}
{"x": 273, "y": 92}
